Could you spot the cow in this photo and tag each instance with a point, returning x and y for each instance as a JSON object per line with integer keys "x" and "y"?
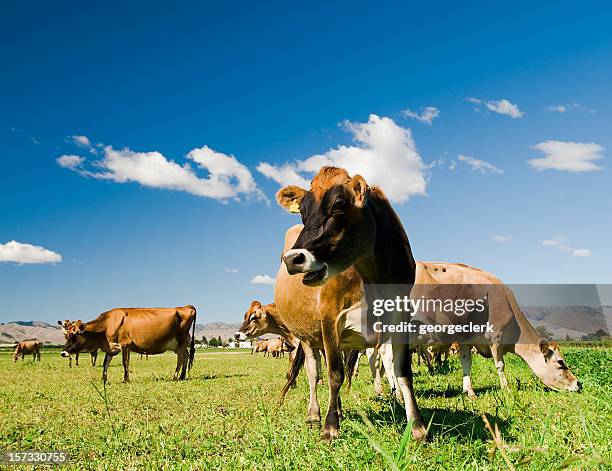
{"x": 28, "y": 347}
{"x": 141, "y": 330}
{"x": 515, "y": 334}
{"x": 93, "y": 354}
{"x": 275, "y": 347}
{"x": 347, "y": 223}
{"x": 260, "y": 346}
{"x": 512, "y": 332}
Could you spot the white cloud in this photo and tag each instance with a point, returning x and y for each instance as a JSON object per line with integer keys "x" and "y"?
{"x": 452, "y": 165}
{"x": 567, "y": 156}
{"x": 231, "y": 270}
{"x": 482, "y": 166}
{"x": 226, "y": 177}
{"x": 427, "y": 114}
{"x": 81, "y": 141}
{"x": 570, "y": 107}
{"x": 502, "y": 106}
{"x": 262, "y": 280}
{"x": 17, "y": 252}
{"x": 384, "y": 154}
{"x": 502, "y": 239}
{"x": 70, "y": 161}
{"x": 561, "y": 244}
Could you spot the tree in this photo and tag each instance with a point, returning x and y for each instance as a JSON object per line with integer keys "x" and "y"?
{"x": 568, "y": 338}
{"x": 204, "y": 341}
{"x": 213, "y": 342}
{"x": 544, "y": 333}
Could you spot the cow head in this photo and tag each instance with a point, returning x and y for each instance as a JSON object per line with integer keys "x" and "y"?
{"x": 15, "y": 355}
{"x": 75, "y": 340}
{"x": 548, "y": 365}
{"x": 339, "y": 227}
{"x": 255, "y": 323}
{"x": 65, "y": 325}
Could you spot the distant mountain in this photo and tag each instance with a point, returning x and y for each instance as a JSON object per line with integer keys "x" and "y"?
{"x": 574, "y": 321}
{"x": 18, "y": 331}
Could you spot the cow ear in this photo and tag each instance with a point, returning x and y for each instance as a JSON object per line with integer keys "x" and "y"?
{"x": 554, "y": 346}
{"x": 544, "y": 346}
{"x": 290, "y": 198}
{"x": 255, "y": 304}
{"x": 360, "y": 190}
{"x": 80, "y": 327}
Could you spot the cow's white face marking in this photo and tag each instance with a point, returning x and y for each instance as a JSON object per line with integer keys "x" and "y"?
{"x": 65, "y": 354}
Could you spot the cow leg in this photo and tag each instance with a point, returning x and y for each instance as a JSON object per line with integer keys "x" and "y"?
{"x": 184, "y": 363}
{"x": 498, "y": 358}
{"x": 335, "y": 376}
{"x": 465, "y": 352}
{"x": 76, "y": 359}
{"x": 386, "y": 355}
{"x": 107, "y": 359}
{"x": 402, "y": 363}
{"x": 69, "y": 361}
{"x": 93, "y": 356}
{"x": 125, "y": 353}
{"x": 312, "y": 365}
{"x": 180, "y": 360}
{"x": 317, "y": 355}
{"x": 374, "y": 362}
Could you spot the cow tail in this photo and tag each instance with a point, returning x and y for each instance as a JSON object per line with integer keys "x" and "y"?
{"x": 292, "y": 375}
{"x": 351, "y": 363}
{"x": 192, "y": 347}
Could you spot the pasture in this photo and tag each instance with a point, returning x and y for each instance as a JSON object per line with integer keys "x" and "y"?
{"x": 226, "y": 416}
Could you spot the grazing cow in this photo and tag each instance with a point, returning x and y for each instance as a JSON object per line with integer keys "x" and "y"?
{"x": 275, "y": 347}
{"x": 29, "y": 347}
{"x": 347, "y": 223}
{"x": 141, "y": 330}
{"x": 512, "y": 332}
{"x": 260, "y": 346}
{"x": 93, "y": 354}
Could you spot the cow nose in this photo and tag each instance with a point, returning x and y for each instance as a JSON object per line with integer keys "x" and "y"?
{"x": 579, "y": 386}
{"x": 296, "y": 261}
{"x": 237, "y": 335}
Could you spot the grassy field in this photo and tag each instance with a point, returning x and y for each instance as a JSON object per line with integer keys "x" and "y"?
{"x": 227, "y": 416}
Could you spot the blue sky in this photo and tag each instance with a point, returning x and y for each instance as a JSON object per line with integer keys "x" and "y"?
{"x": 224, "y": 88}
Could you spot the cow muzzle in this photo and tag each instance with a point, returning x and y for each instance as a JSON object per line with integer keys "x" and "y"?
{"x": 65, "y": 354}
{"x": 240, "y": 336}
{"x": 302, "y": 261}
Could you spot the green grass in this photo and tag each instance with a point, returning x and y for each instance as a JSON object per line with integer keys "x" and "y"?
{"x": 227, "y": 416}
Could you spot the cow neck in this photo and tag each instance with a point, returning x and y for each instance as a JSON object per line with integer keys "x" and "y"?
{"x": 278, "y": 327}
{"x": 391, "y": 261}
{"x": 95, "y": 326}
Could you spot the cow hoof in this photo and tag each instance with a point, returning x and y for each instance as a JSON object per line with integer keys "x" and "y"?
{"x": 329, "y": 434}
{"x": 471, "y": 395}
{"x": 419, "y": 432}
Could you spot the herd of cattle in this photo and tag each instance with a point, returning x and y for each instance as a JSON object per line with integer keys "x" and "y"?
{"x": 350, "y": 237}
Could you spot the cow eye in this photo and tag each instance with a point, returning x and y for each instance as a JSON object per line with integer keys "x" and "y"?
{"x": 252, "y": 318}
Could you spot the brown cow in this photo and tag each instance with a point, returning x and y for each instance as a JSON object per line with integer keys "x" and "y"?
{"x": 347, "y": 223}
{"x": 275, "y": 347}
{"x": 29, "y": 347}
{"x": 141, "y": 330}
{"x": 260, "y": 320}
{"x": 93, "y": 354}
{"x": 260, "y": 346}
